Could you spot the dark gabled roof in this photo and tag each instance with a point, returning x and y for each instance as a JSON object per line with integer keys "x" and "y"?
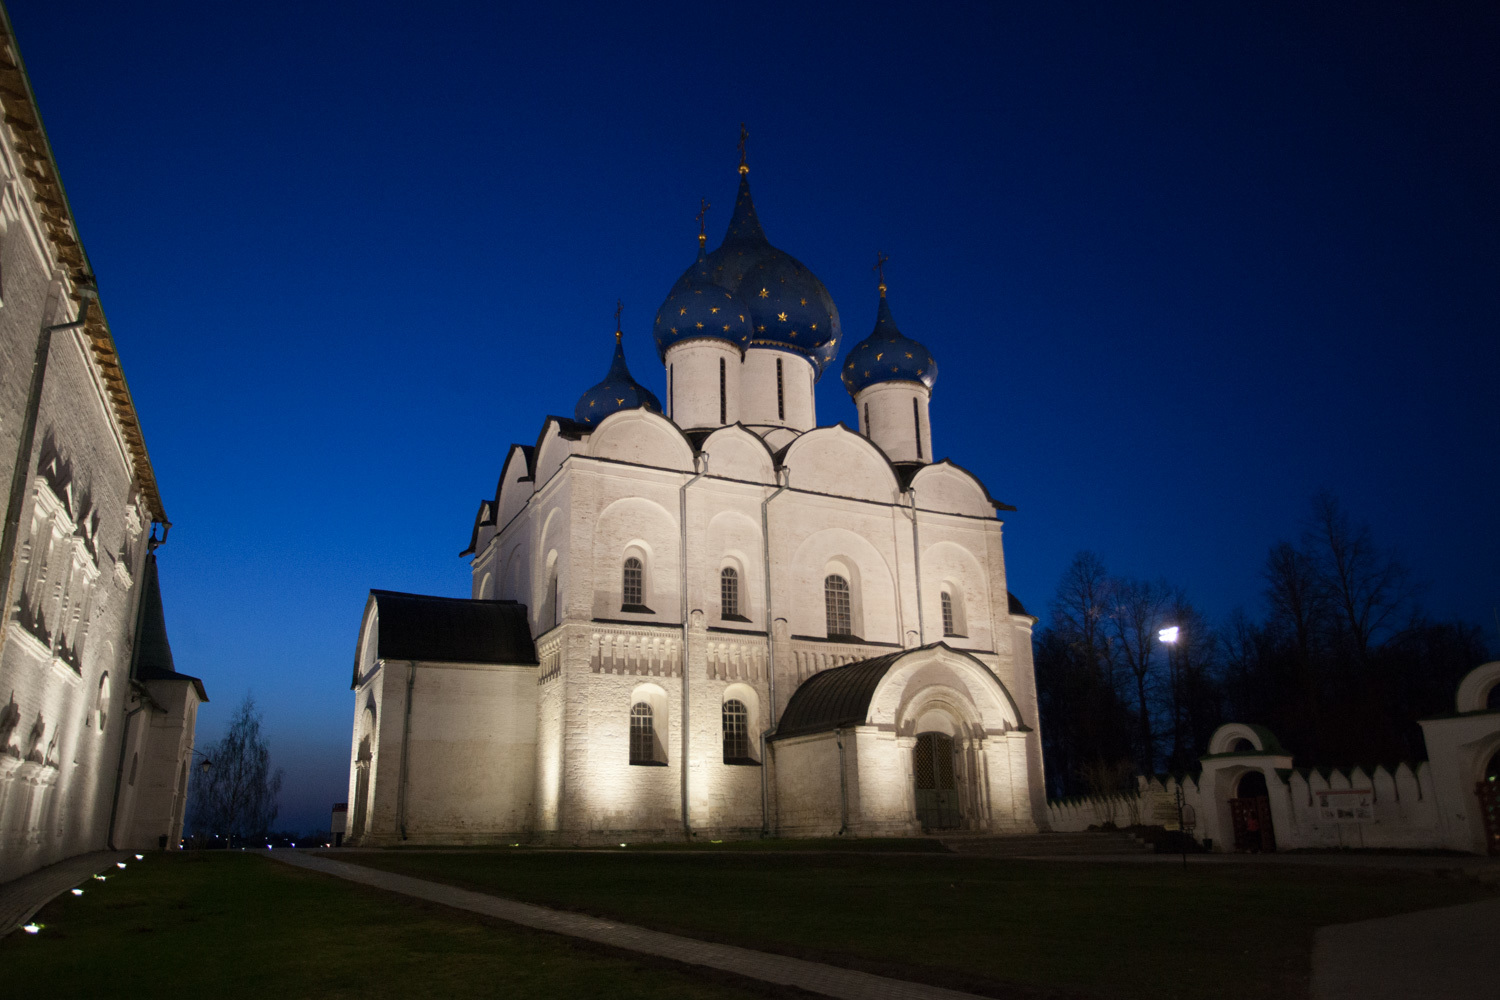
{"x": 451, "y": 629}
{"x": 834, "y": 698}
{"x": 153, "y": 651}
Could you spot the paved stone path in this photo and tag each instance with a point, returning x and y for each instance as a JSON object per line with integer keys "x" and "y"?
{"x": 815, "y": 977}
{"x": 22, "y": 897}
{"x": 1446, "y": 953}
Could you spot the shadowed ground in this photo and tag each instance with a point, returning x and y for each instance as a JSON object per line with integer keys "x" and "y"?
{"x": 227, "y": 924}
{"x": 976, "y": 924}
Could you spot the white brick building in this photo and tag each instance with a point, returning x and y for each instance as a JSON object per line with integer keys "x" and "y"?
{"x": 96, "y": 725}
{"x": 714, "y": 617}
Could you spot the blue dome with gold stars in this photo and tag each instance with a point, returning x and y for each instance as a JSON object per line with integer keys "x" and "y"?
{"x": 697, "y": 307}
{"x": 887, "y": 355}
{"x": 618, "y": 391}
{"x": 789, "y": 308}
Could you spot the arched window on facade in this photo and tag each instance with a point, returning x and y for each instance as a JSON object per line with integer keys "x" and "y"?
{"x": 729, "y": 593}
{"x": 948, "y": 627}
{"x": 101, "y": 704}
{"x": 645, "y": 748}
{"x": 836, "y": 601}
{"x": 632, "y": 586}
{"x": 736, "y": 733}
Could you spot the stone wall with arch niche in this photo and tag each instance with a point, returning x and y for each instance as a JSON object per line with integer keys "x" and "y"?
{"x": 872, "y": 589}
{"x": 634, "y": 527}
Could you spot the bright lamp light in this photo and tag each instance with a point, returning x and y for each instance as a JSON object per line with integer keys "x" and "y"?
{"x": 1168, "y": 634}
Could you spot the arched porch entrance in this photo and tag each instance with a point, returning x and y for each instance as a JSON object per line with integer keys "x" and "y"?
{"x": 1250, "y": 810}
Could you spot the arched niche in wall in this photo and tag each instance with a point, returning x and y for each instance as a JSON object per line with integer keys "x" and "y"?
{"x": 735, "y": 453}
{"x": 945, "y": 487}
{"x": 733, "y": 540}
{"x": 839, "y": 462}
{"x": 872, "y": 585}
{"x": 641, "y": 437}
{"x": 634, "y": 527}
{"x": 951, "y": 568}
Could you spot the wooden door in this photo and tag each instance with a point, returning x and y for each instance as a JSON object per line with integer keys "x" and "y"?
{"x": 936, "y": 788}
{"x": 1489, "y": 810}
{"x": 1252, "y": 824}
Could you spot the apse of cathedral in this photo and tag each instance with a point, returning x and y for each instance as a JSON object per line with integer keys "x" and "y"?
{"x": 709, "y": 616}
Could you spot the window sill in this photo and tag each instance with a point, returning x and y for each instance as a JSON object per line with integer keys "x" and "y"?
{"x": 741, "y": 762}
{"x": 844, "y": 638}
{"x": 733, "y": 618}
{"x": 954, "y": 635}
{"x": 636, "y": 609}
{"x": 648, "y": 763}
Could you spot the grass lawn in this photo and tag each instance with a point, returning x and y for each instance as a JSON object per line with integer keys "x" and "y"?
{"x": 220, "y": 924}
{"x": 981, "y": 924}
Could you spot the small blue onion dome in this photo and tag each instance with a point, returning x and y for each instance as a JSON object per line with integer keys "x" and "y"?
{"x": 697, "y": 307}
{"x": 887, "y": 355}
{"x": 790, "y": 309}
{"x": 618, "y": 391}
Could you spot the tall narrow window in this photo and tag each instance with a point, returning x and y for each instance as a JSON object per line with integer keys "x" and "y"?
{"x": 947, "y": 613}
{"x": 836, "y": 602}
{"x": 643, "y": 744}
{"x": 867, "y": 420}
{"x": 671, "y": 391}
{"x": 780, "y": 395}
{"x": 916, "y": 419}
{"x": 736, "y": 733}
{"x": 729, "y": 592}
{"x": 556, "y": 612}
{"x": 632, "y": 587}
{"x": 723, "y": 396}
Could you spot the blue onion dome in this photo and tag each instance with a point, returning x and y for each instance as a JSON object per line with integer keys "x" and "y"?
{"x": 618, "y": 391}
{"x": 887, "y": 355}
{"x": 790, "y": 309}
{"x": 696, "y": 307}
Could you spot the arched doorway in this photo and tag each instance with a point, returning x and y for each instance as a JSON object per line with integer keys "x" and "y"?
{"x": 1488, "y": 790}
{"x": 361, "y": 790}
{"x": 1250, "y": 810}
{"x": 935, "y": 781}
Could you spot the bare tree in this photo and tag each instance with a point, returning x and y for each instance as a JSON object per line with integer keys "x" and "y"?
{"x": 1138, "y": 612}
{"x": 1081, "y": 610}
{"x": 236, "y": 796}
{"x": 1367, "y": 589}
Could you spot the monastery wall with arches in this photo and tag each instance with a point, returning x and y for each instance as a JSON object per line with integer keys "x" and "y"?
{"x": 1451, "y": 801}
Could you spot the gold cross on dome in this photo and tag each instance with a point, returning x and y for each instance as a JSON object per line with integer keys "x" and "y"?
{"x": 880, "y": 260}
{"x": 619, "y": 308}
{"x": 703, "y": 208}
{"x": 744, "y": 134}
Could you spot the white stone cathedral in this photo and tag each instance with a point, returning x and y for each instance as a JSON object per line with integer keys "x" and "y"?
{"x": 714, "y": 618}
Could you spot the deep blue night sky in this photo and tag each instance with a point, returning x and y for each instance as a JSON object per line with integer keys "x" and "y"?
{"x": 1181, "y": 267}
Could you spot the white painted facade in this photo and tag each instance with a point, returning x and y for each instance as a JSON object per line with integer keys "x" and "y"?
{"x": 736, "y": 478}
{"x": 92, "y": 754}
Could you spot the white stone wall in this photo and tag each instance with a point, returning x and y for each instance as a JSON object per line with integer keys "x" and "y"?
{"x": 164, "y": 768}
{"x": 471, "y": 752}
{"x": 620, "y": 492}
{"x": 1403, "y": 807}
{"x": 758, "y": 379}
{"x": 809, "y": 796}
{"x": 894, "y": 416}
{"x": 694, "y": 378}
{"x": 77, "y": 563}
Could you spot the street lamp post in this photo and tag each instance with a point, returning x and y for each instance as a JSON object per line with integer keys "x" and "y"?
{"x": 1170, "y": 636}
